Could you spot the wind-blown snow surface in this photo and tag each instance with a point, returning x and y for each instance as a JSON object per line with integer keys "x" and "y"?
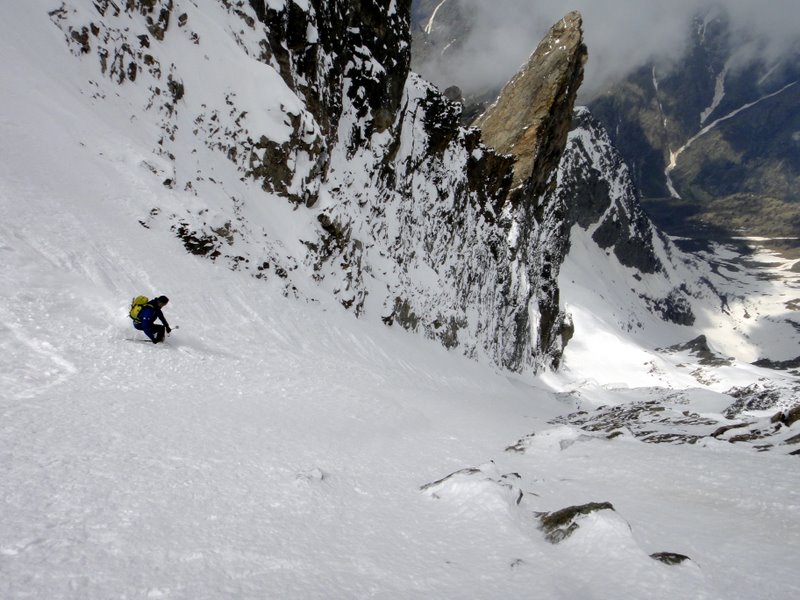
{"x": 277, "y": 449}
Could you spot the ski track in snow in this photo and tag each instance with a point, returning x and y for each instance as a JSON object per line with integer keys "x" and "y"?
{"x": 273, "y": 448}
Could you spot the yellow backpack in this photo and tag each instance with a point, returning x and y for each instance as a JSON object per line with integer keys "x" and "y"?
{"x": 136, "y": 307}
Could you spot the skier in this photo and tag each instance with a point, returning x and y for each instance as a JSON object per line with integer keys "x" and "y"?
{"x": 145, "y": 320}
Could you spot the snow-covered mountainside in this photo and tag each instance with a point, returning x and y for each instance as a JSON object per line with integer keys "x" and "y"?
{"x": 716, "y": 305}
{"x": 278, "y": 447}
{"x": 399, "y": 213}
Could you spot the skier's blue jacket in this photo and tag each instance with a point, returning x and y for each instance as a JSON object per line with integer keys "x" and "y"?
{"x": 147, "y": 316}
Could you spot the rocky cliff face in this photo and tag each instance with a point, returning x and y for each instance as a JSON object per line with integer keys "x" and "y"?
{"x": 531, "y": 117}
{"x": 596, "y": 187}
{"x": 603, "y": 206}
{"x": 401, "y": 213}
{"x": 476, "y": 248}
{"x": 530, "y": 121}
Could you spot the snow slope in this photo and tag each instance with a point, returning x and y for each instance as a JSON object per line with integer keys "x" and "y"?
{"x": 276, "y": 448}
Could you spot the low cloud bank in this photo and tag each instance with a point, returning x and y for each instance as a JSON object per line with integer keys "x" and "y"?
{"x": 621, "y": 35}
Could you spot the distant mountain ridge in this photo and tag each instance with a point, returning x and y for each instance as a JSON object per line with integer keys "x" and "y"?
{"x": 722, "y": 136}
{"x": 712, "y": 138}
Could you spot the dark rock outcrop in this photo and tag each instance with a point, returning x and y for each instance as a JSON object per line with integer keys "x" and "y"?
{"x": 559, "y": 525}
{"x": 788, "y": 417}
{"x": 699, "y": 347}
{"x": 530, "y": 121}
{"x": 666, "y": 421}
{"x": 779, "y": 365}
{"x": 532, "y": 116}
{"x": 600, "y": 196}
{"x": 669, "y": 558}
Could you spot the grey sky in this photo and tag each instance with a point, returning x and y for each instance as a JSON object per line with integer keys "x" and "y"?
{"x": 620, "y": 34}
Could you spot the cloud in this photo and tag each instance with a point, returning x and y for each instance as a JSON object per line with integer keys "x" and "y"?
{"x": 620, "y": 35}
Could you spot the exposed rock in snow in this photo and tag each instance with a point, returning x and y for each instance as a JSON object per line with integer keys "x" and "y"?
{"x": 482, "y": 485}
{"x": 559, "y": 525}
{"x": 668, "y": 419}
{"x": 596, "y": 186}
{"x": 670, "y": 558}
{"x": 699, "y": 348}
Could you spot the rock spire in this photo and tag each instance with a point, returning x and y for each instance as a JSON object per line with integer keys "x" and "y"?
{"x": 531, "y": 117}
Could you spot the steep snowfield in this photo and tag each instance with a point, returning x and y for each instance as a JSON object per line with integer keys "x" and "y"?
{"x": 275, "y": 448}
{"x": 747, "y": 319}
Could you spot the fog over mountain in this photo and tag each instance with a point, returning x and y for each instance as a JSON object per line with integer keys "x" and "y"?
{"x": 621, "y": 35}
